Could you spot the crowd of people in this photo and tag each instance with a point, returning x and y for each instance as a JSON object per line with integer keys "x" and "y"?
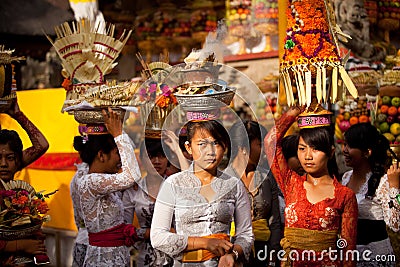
{"x": 278, "y": 193}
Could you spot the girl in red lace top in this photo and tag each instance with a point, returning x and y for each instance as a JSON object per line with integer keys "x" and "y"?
{"x": 320, "y": 214}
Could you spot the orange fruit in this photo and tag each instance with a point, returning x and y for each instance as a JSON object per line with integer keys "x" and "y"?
{"x": 392, "y": 111}
{"x": 340, "y": 117}
{"x": 384, "y": 109}
{"x": 353, "y": 120}
{"x": 363, "y": 118}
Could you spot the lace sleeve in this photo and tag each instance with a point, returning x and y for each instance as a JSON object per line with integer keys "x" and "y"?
{"x": 273, "y": 150}
{"x": 160, "y": 236}
{"x": 244, "y": 236}
{"x": 386, "y": 194}
{"x": 128, "y": 199}
{"x": 349, "y": 225}
{"x": 82, "y": 169}
{"x": 101, "y": 184}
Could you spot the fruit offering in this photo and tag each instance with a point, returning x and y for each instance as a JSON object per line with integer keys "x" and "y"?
{"x": 266, "y": 10}
{"x": 268, "y": 109}
{"x": 388, "y": 118}
{"x": 203, "y": 20}
{"x": 389, "y": 9}
{"x": 351, "y": 111}
{"x": 238, "y": 12}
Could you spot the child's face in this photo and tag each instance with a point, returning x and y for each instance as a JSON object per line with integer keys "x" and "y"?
{"x": 207, "y": 152}
{"x": 8, "y": 163}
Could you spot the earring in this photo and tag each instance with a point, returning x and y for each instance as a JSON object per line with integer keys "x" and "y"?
{"x": 186, "y": 142}
{"x": 244, "y": 152}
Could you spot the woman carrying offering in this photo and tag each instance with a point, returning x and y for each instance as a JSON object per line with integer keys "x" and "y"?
{"x": 320, "y": 213}
{"x": 204, "y": 202}
{"x": 112, "y": 168}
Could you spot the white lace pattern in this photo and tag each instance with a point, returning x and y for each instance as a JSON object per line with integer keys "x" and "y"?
{"x": 101, "y": 203}
{"x": 195, "y": 216}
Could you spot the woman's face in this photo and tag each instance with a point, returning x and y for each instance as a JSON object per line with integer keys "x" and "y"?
{"x": 160, "y": 163}
{"x": 8, "y": 163}
{"x": 255, "y": 152}
{"x": 352, "y": 156}
{"x": 314, "y": 162}
{"x": 112, "y": 161}
{"x": 207, "y": 152}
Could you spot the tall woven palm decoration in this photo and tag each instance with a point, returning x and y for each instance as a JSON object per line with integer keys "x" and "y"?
{"x": 8, "y": 84}
{"x": 311, "y": 57}
{"x": 86, "y": 54}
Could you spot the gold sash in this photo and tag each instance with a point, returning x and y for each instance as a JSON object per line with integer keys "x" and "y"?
{"x": 305, "y": 239}
{"x": 201, "y": 255}
{"x": 261, "y": 230}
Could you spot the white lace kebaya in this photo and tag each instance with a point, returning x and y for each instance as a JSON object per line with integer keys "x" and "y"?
{"x": 101, "y": 203}
{"x": 180, "y": 196}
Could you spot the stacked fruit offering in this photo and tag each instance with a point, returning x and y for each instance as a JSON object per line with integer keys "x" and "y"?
{"x": 203, "y": 20}
{"x": 388, "y": 118}
{"x": 389, "y": 9}
{"x": 268, "y": 108}
{"x": 238, "y": 12}
{"x": 266, "y": 10}
{"x": 351, "y": 111}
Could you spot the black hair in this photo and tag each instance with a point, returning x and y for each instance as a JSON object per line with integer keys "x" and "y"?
{"x": 153, "y": 147}
{"x": 290, "y": 145}
{"x": 254, "y": 131}
{"x": 13, "y": 140}
{"x": 89, "y": 146}
{"x": 214, "y": 127}
{"x": 182, "y": 138}
{"x": 364, "y": 136}
{"x": 321, "y": 138}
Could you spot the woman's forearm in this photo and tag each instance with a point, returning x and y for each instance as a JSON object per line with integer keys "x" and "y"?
{"x": 38, "y": 140}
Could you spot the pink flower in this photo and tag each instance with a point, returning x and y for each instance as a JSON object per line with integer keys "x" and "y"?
{"x": 143, "y": 92}
{"x": 7, "y": 193}
{"x": 165, "y": 90}
{"x": 152, "y": 87}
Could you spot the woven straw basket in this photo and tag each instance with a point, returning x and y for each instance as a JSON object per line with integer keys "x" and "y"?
{"x": 206, "y": 101}
{"x": 13, "y": 234}
{"x": 95, "y": 115}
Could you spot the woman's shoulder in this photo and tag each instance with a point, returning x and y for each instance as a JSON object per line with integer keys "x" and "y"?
{"x": 343, "y": 191}
{"x": 181, "y": 178}
{"x": 346, "y": 177}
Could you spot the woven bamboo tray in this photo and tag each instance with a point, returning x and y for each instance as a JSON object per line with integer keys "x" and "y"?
{"x": 13, "y": 234}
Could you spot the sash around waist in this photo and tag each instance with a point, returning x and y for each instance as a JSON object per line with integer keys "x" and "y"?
{"x": 369, "y": 231}
{"x": 306, "y": 239}
{"x": 202, "y": 255}
{"x": 117, "y": 236}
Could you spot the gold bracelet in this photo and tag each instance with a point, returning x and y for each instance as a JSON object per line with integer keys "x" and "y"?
{"x": 193, "y": 242}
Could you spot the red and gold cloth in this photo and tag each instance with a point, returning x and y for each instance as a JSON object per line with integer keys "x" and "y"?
{"x": 330, "y": 214}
